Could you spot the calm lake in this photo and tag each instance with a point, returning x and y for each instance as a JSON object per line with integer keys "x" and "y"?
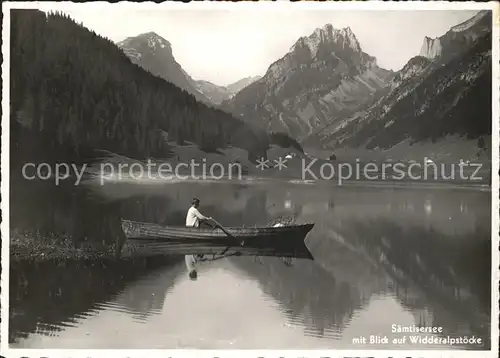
{"x": 383, "y": 256}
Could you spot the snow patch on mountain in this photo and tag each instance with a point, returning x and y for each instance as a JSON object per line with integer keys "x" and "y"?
{"x": 155, "y": 40}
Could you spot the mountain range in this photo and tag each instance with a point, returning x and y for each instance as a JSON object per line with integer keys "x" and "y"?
{"x": 327, "y": 92}
{"x": 445, "y": 90}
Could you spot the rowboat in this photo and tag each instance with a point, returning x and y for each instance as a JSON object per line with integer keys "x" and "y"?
{"x": 283, "y": 241}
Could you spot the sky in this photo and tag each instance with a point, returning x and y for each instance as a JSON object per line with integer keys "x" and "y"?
{"x": 223, "y": 46}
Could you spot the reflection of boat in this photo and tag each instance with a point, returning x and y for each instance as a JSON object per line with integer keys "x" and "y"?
{"x": 265, "y": 241}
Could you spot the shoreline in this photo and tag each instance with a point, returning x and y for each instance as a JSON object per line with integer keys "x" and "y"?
{"x": 26, "y": 245}
{"x": 112, "y": 168}
{"x": 247, "y": 179}
{"x": 293, "y": 171}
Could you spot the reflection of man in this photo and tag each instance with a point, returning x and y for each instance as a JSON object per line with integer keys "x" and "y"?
{"x": 193, "y": 219}
{"x": 191, "y": 266}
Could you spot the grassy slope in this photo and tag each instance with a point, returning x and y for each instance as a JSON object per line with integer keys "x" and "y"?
{"x": 449, "y": 149}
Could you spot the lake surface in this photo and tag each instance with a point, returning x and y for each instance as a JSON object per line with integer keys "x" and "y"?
{"x": 383, "y": 256}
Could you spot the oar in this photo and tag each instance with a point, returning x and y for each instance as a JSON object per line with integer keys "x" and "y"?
{"x": 242, "y": 242}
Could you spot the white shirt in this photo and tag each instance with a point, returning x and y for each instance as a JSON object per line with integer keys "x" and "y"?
{"x": 193, "y": 217}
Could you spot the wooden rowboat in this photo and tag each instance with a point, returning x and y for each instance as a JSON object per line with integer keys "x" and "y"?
{"x": 284, "y": 241}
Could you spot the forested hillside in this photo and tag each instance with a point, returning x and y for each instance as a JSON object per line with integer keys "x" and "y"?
{"x": 73, "y": 91}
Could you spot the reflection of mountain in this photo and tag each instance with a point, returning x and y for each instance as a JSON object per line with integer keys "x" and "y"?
{"x": 434, "y": 244}
{"x": 47, "y": 297}
{"x": 309, "y": 295}
{"x": 451, "y": 274}
{"x": 146, "y": 296}
{"x": 347, "y": 264}
{"x": 428, "y": 310}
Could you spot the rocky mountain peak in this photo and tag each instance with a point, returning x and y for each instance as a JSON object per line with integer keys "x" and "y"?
{"x": 433, "y": 97}
{"x": 324, "y": 76}
{"x": 150, "y": 39}
{"x": 153, "y": 53}
{"x": 327, "y": 36}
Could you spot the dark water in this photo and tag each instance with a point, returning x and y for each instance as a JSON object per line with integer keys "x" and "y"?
{"x": 383, "y": 256}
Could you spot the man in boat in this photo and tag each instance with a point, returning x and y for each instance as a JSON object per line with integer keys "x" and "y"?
{"x": 194, "y": 216}
{"x": 193, "y": 219}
